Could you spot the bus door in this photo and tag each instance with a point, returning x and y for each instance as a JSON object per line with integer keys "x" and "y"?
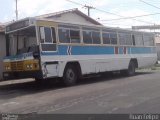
{"x": 48, "y": 39}
{"x": 48, "y": 44}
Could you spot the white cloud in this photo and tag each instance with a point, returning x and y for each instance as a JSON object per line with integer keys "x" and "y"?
{"x": 36, "y": 7}
{"x": 100, "y": 3}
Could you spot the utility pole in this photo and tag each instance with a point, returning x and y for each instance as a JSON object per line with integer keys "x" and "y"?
{"x": 89, "y": 8}
{"x": 16, "y": 10}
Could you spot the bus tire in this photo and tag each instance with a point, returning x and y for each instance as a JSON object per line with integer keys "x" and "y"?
{"x": 70, "y": 75}
{"x": 130, "y": 71}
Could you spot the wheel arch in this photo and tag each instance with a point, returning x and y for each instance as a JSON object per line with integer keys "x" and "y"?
{"x": 77, "y": 65}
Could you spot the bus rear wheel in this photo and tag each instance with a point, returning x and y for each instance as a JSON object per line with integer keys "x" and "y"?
{"x": 131, "y": 69}
{"x": 70, "y": 75}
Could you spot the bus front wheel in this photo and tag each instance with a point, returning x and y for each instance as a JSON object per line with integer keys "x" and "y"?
{"x": 70, "y": 75}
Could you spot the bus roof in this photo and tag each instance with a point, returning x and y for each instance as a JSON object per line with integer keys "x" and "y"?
{"x": 23, "y": 23}
{"x": 97, "y": 26}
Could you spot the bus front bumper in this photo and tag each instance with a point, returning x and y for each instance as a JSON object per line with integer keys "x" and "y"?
{"x": 22, "y": 75}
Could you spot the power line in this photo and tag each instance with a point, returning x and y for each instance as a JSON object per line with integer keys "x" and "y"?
{"x": 132, "y": 17}
{"x": 75, "y": 2}
{"x": 108, "y": 12}
{"x": 123, "y": 16}
{"x": 150, "y": 4}
{"x": 85, "y": 6}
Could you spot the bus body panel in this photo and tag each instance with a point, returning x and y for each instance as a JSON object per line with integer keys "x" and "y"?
{"x": 105, "y": 58}
{"x": 92, "y": 58}
{"x": 89, "y": 65}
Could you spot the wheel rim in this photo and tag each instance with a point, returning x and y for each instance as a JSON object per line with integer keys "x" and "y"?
{"x": 70, "y": 75}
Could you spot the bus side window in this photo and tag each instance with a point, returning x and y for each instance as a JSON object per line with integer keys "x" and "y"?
{"x": 133, "y": 39}
{"x": 152, "y": 40}
{"x": 46, "y": 35}
{"x": 53, "y": 35}
{"x": 106, "y": 38}
{"x": 148, "y": 40}
{"x": 113, "y": 37}
{"x": 122, "y": 38}
{"x": 75, "y": 36}
{"x": 138, "y": 39}
{"x": 129, "y": 40}
{"x": 96, "y": 37}
{"x": 64, "y": 35}
{"x": 42, "y": 34}
{"x": 48, "y": 38}
{"x": 87, "y": 37}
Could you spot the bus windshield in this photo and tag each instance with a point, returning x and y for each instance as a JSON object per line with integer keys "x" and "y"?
{"x": 22, "y": 41}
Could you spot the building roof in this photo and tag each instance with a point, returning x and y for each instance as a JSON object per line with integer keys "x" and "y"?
{"x": 58, "y": 14}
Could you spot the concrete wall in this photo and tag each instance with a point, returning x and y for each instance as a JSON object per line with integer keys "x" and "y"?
{"x": 2, "y": 52}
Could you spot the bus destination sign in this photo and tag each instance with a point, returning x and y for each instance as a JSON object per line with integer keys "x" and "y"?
{"x": 17, "y": 25}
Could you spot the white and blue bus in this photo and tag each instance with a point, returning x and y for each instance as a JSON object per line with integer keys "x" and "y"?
{"x": 44, "y": 49}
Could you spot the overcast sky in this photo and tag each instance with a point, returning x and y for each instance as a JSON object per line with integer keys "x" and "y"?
{"x": 127, "y": 8}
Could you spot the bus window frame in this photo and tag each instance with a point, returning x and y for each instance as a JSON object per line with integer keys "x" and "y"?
{"x": 110, "y": 31}
{"x": 77, "y": 30}
{"x": 55, "y": 30}
{"x": 70, "y": 40}
{"x": 139, "y": 34}
{"x": 92, "y": 30}
{"x": 124, "y": 37}
{"x": 148, "y": 36}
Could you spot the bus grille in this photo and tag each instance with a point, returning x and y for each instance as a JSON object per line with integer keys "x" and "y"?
{"x": 17, "y": 66}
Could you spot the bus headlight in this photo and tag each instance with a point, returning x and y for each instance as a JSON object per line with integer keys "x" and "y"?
{"x": 7, "y": 66}
{"x": 29, "y": 66}
{"x": 32, "y": 66}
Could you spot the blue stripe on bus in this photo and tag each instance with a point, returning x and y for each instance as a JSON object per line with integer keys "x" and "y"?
{"x": 142, "y": 50}
{"x": 121, "y": 50}
{"x": 90, "y": 50}
{"x": 99, "y": 50}
{"x": 82, "y": 50}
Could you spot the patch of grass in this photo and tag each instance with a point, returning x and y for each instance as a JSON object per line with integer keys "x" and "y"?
{"x": 154, "y": 68}
{"x": 157, "y": 65}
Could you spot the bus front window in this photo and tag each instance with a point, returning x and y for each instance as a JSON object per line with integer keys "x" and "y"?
{"x": 23, "y": 41}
